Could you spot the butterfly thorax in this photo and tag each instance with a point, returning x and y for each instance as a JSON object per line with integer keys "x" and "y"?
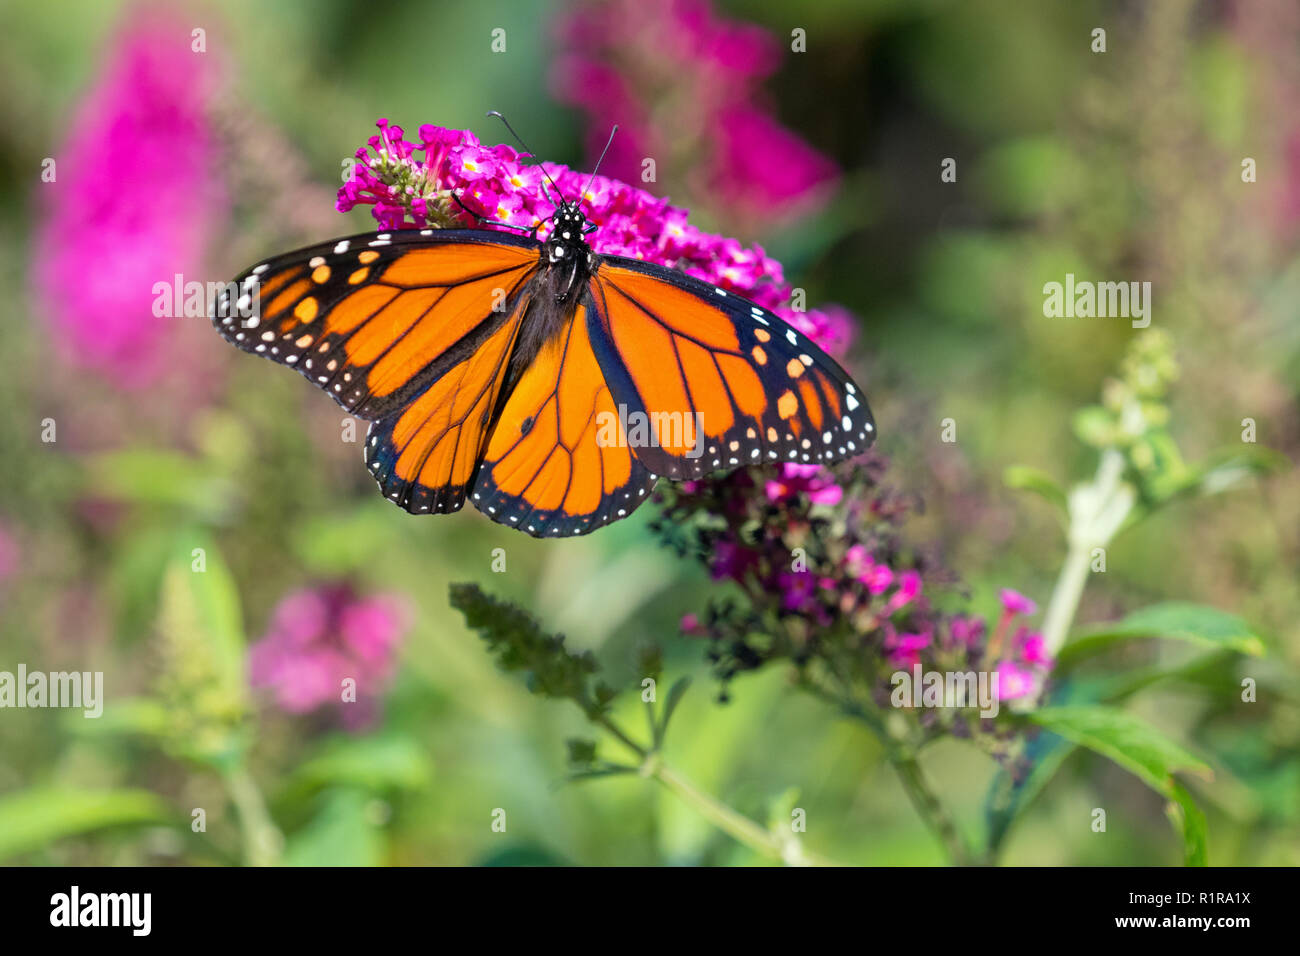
{"x": 568, "y": 262}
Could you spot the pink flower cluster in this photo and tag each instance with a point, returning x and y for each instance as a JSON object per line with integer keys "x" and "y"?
{"x": 412, "y": 185}
{"x": 317, "y": 638}
{"x": 684, "y": 85}
{"x": 811, "y": 480}
{"x": 1022, "y": 660}
{"x": 1014, "y": 652}
{"x": 836, "y": 581}
{"x": 134, "y": 198}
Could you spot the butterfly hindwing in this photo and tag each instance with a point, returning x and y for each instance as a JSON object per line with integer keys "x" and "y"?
{"x": 557, "y": 462}
{"x": 722, "y": 382}
{"x": 374, "y": 319}
{"x": 425, "y": 456}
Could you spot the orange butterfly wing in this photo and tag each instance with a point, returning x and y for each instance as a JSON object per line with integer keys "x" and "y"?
{"x": 412, "y": 330}
{"x": 426, "y": 455}
{"x": 375, "y": 319}
{"x": 557, "y": 463}
{"x": 723, "y": 382}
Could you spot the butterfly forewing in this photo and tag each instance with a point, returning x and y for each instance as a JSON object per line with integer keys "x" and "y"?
{"x": 375, "y": 319}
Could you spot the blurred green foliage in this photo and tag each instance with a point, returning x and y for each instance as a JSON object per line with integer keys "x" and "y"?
{"x": 1123, "y": 165}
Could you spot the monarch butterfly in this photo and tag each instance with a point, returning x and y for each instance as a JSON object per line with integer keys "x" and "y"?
{"x": 550, "y": 385}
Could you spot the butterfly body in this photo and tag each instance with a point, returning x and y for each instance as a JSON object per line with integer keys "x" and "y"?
{"x": 549, "y": 385}
{"x": 565, "y": 264}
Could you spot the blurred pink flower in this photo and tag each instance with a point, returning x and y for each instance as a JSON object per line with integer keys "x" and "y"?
{"x": 909, "y": 586}
{"x": 1025, "y": 671}
{"x": 862, "y": 567}
{"x": 812, "y": 480}
{"x": 317, "y": 638}
{"x": 1032, "y": 647}
{"x": 1015, "y": 682}
{"x": 967, "y": 632}
{"x": 135, "y": 198}
{"x": 682, "y": 84}
{"x": 1013, "y": 602}
{"x": 904, "y": 650}
{"x": 762, "y": 166}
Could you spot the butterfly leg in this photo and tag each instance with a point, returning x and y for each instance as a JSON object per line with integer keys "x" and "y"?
{"x": 491, "y": 222}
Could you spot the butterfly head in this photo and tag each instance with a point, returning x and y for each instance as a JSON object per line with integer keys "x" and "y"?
{"x": 569, "y": 227}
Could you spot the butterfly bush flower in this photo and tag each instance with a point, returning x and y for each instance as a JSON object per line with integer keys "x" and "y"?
{"x": 318, "y": 638}
{"x": 136, "y": 196}
{"x": 828, "y": 583}
{"x": 683, "y": 84}
{"x": 426, "y": 183}
{"x": 1024, "y": 663}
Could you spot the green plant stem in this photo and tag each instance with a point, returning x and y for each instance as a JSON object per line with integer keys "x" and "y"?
{"x": 1096, "y": 512}
{"x": 726, "y": 819}
{"x": 1065, "y": 598}
{"x": 930, "y": 808}
{"x": 262, "y": 840}
{"x": 903, "y": 759}
{"x": 622, "y": 738}
{"x": 729, "y": 821}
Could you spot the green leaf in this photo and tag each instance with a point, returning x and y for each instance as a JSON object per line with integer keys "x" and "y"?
{"x": 31, "y": 819}
{"x": 1227, "y": 469}
{"x": 1008, "y": 798}
{"x": 373, "y": 764}
{"x": 1095, "y": 426}
{"x": 344, "y": 832}
{"x": 1134, "y": 745}
{"x": 149, "y": 477}
{"x": 675, "y": 695}
{"x": 135, "y": 576}
{"x": 1143, "y": 751}
{"x": 1110, "y": 688}
{"x": 1024, "y": 478}
{"x": 1187, "y": 817}
{"x": 1176, "y": 620}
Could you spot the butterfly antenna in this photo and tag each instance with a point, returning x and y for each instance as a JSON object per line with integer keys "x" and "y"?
{"x": 520, "y": 140}
{"x": 601, "y": 160}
